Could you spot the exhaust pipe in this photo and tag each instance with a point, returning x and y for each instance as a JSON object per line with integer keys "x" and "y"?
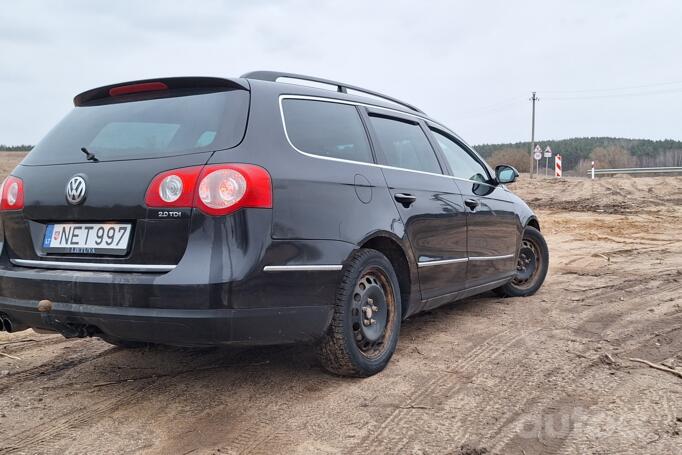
{"x": 6, "y": 325}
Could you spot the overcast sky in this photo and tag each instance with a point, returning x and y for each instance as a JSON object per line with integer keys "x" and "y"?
{"x": 601, "y": 68}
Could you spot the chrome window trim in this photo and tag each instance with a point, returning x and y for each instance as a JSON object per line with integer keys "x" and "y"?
{"x": 441, "y": 262}
{"x": 93, "y": 266}
{"x": 341, "y": 160}
{"x": 303, "y": 268}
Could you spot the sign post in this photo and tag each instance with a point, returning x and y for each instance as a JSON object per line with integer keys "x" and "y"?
{"x": 548, "y": 155}
{"x": 592, "y": 170}
{"x": 557, "y": 166}
{"x": 537, "y": 155}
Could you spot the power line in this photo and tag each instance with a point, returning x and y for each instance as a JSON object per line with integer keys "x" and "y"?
{"x": 495, "y": 106}
{"x": 498, "y": 110}
{"x": 617, "y": 95}
{"x": 505, "y": 102}
{"x": 613, "y": 89}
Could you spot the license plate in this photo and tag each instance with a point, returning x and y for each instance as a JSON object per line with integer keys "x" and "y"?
{"x": 87, "y": 238}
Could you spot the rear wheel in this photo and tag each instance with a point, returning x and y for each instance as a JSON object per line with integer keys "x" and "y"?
{"x": 531, "y": 266}
{"x": 364, "y": 330}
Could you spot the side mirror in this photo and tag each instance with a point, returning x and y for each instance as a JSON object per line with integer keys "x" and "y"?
{"x": 505, "y": 174}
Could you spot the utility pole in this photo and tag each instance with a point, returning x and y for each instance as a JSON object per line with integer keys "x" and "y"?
{"x": 532, "y": 134}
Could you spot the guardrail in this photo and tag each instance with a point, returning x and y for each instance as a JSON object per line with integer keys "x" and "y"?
{"x": 635, "y": 170}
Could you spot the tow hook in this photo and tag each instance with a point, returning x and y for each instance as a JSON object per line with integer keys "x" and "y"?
{"x": 44, "y": 306}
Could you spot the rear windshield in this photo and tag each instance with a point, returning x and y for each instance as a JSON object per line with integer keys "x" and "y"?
{"x": 150, "y": 128}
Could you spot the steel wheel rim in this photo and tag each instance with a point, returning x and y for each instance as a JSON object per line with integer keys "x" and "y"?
{"x": 372, "y": 312}
{"x": 528, "y": 264}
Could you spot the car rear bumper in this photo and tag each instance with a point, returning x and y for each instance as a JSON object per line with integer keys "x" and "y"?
{"x": 284, "y": 297}
{"x": 180, "y": 327}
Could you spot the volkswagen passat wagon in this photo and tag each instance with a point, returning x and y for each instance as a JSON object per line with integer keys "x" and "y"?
{"x": 206, "y": 211}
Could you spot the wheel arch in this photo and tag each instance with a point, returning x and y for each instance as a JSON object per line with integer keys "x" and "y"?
{"x": 403, "y": 263}
{"x": 533, "y": 222}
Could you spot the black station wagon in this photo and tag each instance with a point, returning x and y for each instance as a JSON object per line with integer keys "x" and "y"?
{"x": 201, "y": 211}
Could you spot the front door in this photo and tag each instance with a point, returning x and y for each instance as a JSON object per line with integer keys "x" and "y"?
{"x": 492, "y": 224}
{"x": 430, "y": 206}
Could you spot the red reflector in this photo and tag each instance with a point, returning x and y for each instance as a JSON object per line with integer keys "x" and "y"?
{"x": 137, "y": 88}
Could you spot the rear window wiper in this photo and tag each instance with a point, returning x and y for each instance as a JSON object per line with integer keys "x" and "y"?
{"x": 88, "y": 155}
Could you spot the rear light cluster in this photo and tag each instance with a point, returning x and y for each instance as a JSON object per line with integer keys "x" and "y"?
{"x": 12, "y": 194}
{"x": 216, "y": 190}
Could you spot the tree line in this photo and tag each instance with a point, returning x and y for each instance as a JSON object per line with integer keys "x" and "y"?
{"x": 15, "y": 148}
{"x": 578, "y": 153}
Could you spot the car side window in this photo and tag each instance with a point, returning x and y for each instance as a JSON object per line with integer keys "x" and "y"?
{"x": 405, "y": 145}
{"x": 461, "y": 162}
{"x": 326, "y": 129}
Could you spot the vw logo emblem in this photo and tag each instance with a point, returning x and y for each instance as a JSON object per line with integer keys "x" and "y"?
{"x": 75, "y": 190}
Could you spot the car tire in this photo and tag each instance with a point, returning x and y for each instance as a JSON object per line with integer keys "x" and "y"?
{"x": 531, "y": 268}
{"x": 365, "y": 326}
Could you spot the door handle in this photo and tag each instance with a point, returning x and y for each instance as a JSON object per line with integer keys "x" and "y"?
{"x": 471, "y": 203}
{"x": 405, "y": 199}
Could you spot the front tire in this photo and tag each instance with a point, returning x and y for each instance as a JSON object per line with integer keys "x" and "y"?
{"x": 531, "y": 267}
{"x": 364, "y": 330}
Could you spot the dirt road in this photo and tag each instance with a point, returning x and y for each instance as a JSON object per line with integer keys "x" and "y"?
{"x": 545, "y": 374}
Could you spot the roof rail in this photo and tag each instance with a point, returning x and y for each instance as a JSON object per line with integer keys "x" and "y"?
{"x": 341, "y": 87}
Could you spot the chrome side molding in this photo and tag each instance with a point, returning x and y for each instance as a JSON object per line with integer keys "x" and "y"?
{"x": 490, "y": 258}
{"x": 93, "y": 266}
{"x": 337, "y": 267}
{"x": 467, "y": 259}
{"x": 302, "y": 268}
{"x": 441, "y": 262}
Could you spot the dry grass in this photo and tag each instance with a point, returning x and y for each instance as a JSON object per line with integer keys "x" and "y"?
{"x": 8, "y": 161}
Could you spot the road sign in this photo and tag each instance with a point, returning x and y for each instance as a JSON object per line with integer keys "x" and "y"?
{"x": 537, "y": 153}
{"x": 548, "y": 155}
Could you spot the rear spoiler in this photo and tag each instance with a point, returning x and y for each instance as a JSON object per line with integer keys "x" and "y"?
{"x": 156, "y": 85}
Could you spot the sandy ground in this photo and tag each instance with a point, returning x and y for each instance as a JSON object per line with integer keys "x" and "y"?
{"x": 8, "y": 161}
{"x": 545, "y": 374}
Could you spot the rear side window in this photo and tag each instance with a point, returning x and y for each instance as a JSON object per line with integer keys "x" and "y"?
{"x": 326, "y": 129}
{"x": 149, "y": 128}
{"x": 405, "y": 145}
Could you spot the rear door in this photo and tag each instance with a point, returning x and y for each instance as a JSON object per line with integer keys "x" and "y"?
{"x": 492, "y": 223}
{"x": 93, "y": 210}
{"x": 429, "y": 204}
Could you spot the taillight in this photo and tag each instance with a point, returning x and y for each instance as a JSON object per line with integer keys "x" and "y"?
{"x": 226, "y": 188}
{"x": 217, "y": 189}
{"x": 12, "y": 192}
{"x": 173, "y": 188}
